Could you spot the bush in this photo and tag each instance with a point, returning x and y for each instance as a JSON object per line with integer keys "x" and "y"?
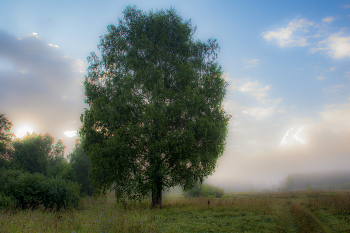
{"x": 193, "y": 192}
{"x": 266, "y": 190}
{"x": 206, "y": 190}
{"x": 31, "y": 190}
{"x": 7, "y": 202}
{"x": 61, "y": 193}
{"x": 209, "y": 189}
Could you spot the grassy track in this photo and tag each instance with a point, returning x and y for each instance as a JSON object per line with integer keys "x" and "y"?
{"x": 275, "y": 212}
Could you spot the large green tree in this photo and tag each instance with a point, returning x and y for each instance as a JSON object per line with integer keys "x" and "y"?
{"x": 155, "y": 116}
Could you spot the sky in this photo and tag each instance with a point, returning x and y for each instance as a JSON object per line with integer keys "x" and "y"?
{"x": 287, "y": 64}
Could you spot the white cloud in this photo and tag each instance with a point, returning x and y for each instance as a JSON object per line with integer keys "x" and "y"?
{"x": 256, "y": 90}
{"x": 278, "y": 101}
{"x": 320, "y": 78}
{"x": 333, "y": 88}
{"x": 337, "y": 46}
{"x": 328, "y": 19}
{"x": 260, "y": 112}
{"x": 232, "y": 82}
{"x": 259, "y": 96}
{"x": 346, "y": 6}
{"x": 314, "y": 50}
{"x": 253, "y": 87}
{"x": 287, "y": 36}
{"x": 251, "y": 63}
{"x": 227, "y": 77}
{"x": 347, "y": 74}
{"x": 56, "y": 46}
{"x": 282, "y": 110}
{"x": 332, "y": 69}
{"x": 78, "y": 65}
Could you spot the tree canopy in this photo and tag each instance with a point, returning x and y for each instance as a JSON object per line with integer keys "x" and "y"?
{"x": 81, "y": 165}
{"x": 32, "y": 152}
{"x": 155, "y": 116}
{"x": 5, "y": 134}
{"x": 5, "y": 140}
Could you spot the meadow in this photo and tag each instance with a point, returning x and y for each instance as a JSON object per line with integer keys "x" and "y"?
{"x": 297, "y": 211}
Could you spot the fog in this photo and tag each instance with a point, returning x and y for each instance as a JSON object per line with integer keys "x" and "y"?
{"x": 309, "y": 145}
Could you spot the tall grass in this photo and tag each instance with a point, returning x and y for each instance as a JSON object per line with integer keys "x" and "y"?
{"x": 273, "y": 212}
{"x": 337, "y": 203}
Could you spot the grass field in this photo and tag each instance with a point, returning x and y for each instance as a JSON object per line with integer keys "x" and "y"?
{"x": 297, "y": 211}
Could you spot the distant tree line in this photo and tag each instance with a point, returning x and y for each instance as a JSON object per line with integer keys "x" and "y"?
{"x": 37, "y": 157}
{"x": 328, "y": 180}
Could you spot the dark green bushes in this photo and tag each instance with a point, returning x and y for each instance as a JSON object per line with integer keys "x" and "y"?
{"x": 7, "y": 202}
{"x": 31, "y": 190}
{"x": 206, "y": 190}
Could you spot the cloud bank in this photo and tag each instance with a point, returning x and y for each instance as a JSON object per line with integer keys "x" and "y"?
{"x": 40, "y": 85}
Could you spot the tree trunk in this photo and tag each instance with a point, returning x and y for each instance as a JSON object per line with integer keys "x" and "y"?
{"x": 157, "y": 197}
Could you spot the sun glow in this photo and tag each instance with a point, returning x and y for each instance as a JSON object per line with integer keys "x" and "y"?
{"x": 70, "y": 134}
{"x": 22, "y": 130}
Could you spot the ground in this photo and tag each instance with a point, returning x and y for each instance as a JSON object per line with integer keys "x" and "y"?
{"x": 299, "y": 211}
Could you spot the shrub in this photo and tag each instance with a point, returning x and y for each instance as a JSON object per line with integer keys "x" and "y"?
{"x": 193, "y": 192}
{"x": 7, "y": 202}
{"x": 266, "y": 190}
{"x": 31, "y": 190}
{"x": 206, "y": 190}
{"x": 61, "y": 193}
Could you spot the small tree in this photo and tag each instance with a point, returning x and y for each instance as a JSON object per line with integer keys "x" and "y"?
{"x": 5, "y": 141}
{"x": 155, "y": 118}
{"x": 81, "y": 165}
{"x": 289, "y": 185}
{"x": 32, "y": 152}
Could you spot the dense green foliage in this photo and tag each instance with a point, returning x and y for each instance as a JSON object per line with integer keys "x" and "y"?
{"x": 31, "y": 190}
{"x": 81, "y": 165}
{"x": 205, "y": 190}
{"x": 5, "y": 141}
{"x": 32, "y": 152}
{"x": 155, "y": 118}
{"x": 7, "y": 202}
{"x": 38, "y": 153}
{"x": 58, "y": 166}
{"x": 40, "y": 172}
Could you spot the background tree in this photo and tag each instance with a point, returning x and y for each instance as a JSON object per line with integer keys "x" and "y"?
{"x": 32, "y": 152}
{"x": 58, "y": 166}
{"x": 289, "y": 185}
{"x": 5, "y": 141}
{"x": 81, "y": 165}
{"x": 155, "y": 117}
